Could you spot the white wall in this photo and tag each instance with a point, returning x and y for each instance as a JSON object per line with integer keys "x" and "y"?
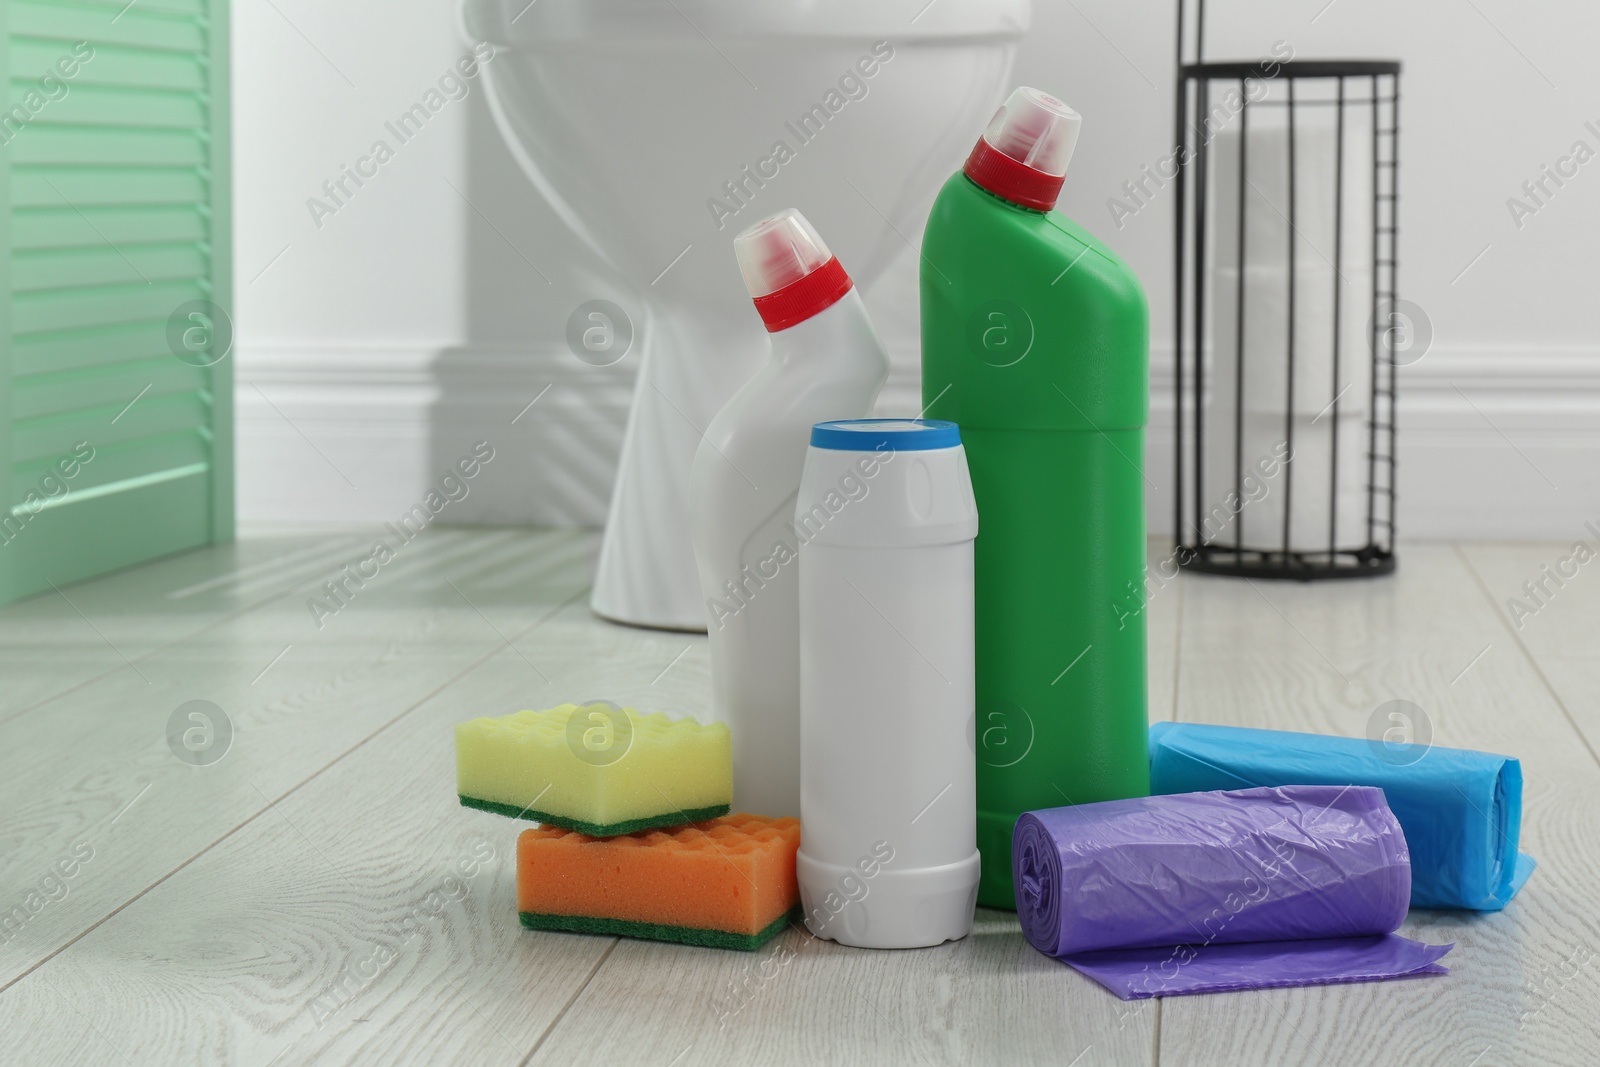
{"x": 374, "y": 349}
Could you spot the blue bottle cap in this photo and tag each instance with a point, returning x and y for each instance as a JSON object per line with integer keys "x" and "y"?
{"x": 873, "y": 435}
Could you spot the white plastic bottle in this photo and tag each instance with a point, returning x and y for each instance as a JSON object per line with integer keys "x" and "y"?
{"x": 888, "y": 795}
{"x": 826, "y": 363}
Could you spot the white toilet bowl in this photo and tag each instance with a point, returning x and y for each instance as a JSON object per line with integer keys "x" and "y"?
{"x": 653, "y": 129}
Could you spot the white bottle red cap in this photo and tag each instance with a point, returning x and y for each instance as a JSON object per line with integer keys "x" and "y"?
{"x": 1023, "y": 155}
{"x": 788, "y": 269}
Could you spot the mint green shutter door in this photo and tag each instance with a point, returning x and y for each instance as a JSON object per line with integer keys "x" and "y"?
{"x": 116, "y": 397}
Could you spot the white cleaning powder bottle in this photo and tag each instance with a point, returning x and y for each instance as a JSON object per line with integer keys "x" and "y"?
{"x": 826, "y": 363}
{"x": 888, "y": 806}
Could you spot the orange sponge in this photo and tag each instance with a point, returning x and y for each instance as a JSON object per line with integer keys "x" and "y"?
{"x": 727, "y": 882}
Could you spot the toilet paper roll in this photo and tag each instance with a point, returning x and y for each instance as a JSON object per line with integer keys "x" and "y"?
{"x": 1318, "y": 165}
{"x": 1290, "y": 466}
{"x": 1265, "y": 348}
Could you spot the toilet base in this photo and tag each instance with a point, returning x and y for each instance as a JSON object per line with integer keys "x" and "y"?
{"x": 690, "y": 366}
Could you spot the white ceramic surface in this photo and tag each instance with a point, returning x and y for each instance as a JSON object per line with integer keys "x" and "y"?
{"x": 630, "y": 116}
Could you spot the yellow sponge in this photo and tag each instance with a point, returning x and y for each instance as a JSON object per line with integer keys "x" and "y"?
{"x": 596, "y": 768}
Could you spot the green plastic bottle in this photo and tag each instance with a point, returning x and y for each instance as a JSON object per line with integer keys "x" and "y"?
{"x": 1035, "y": 339}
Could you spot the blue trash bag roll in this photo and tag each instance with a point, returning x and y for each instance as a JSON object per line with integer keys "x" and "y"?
{"x": 1221, "y": 891}
{"x": 1461, "y": 810}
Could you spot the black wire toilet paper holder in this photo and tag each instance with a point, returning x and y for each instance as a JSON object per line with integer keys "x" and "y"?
{"x": 1344, "y": 85}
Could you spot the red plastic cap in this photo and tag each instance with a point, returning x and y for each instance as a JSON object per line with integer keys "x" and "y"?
{"x": 1023, "y": 155}
{"x": 798, "y": 301}
{"x": 789, "y": 271}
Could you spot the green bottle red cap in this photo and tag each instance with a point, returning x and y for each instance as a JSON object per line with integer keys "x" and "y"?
{"x": 1022, "y": 157}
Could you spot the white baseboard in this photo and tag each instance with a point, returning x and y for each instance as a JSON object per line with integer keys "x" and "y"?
{"x": 361, "y": 434}
{"x": 1493, "y": 443}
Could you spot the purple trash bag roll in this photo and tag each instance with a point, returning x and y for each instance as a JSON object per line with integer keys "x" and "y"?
{"x": 1219, "y": 891}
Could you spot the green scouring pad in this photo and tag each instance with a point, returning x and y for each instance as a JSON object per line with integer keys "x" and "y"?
{"x": 688, "y": 935}
{"x": 610, "y": 829}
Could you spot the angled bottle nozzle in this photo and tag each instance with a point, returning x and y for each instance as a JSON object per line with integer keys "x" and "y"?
{"x": 788, "y": 269}
{"x": 1023, "y": 155}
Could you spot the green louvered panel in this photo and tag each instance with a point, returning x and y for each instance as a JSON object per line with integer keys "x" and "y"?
{"x": 43, "y": 353}
{"x": 55, "y": 228}
{"x": 72, "y": 21}
{"x": 195, "y": 9}
{"x": 109, "y": 146}
{"x": 60, "y": 268}
{"x": 114, "y": 174}
{"x": 125, "y": 461}
{"x": 54, "y": 435}
{"x": 99, "y": 305}
{"x": 82, "y": 188}
{"x": 119, "y": 106}
{"x": 141, "y": 68}
{"x": 43, "y": 395}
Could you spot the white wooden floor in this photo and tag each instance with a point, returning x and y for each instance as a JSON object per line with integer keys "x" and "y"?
{"x": 317, "y": 896}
